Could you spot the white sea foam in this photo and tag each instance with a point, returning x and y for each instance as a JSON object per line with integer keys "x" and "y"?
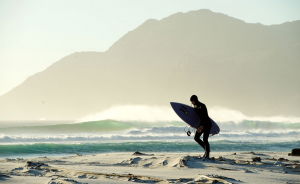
{"x": 228, "y": 115}
{"x": 142, "y": 113}
{"x": 234, "y": 126}
{"x": 150, "y": 136}
{"x": 172, "y": 133}
{"x": 148, "y": 114}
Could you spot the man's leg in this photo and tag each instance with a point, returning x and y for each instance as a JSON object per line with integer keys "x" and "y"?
{"x": 198, "y": 140}
{"x": 206, "y": 143}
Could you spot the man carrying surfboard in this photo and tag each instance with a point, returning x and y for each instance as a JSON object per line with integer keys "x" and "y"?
{"x": 205, "y": 125}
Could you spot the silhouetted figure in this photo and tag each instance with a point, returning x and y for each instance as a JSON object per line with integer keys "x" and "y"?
{"x": 205, "y": 125}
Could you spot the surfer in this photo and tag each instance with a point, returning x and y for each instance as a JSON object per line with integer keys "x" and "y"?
{"x": 205, "y": 125}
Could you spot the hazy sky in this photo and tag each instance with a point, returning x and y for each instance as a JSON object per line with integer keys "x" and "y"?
{"x": 36, "y": 33}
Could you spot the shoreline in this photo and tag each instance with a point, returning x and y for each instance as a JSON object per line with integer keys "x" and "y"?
{"x": 153, "y": 167}
{"x": 50, "y": 155}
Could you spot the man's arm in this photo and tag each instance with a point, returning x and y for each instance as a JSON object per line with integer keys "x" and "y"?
{"x": 198, "y": 111}
{"x": 202, "y": 112}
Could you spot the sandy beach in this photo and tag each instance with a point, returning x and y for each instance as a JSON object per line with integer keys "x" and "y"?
{"x": 125, "y": 167}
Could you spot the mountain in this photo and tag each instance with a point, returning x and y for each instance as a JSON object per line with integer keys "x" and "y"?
{"x": 227, "y": 62}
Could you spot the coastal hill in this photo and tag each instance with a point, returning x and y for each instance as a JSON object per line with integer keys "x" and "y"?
{"x": 252, "y": 68}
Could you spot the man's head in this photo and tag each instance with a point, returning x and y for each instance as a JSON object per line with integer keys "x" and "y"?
{"x": 194, "y": 99}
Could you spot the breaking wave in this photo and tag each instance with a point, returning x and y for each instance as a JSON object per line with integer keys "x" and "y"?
{"x": 131, "y": 128}
{"x": 112, "y": 130}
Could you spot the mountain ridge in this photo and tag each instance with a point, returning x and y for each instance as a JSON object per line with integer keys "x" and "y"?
{"x": 230, "y": 63}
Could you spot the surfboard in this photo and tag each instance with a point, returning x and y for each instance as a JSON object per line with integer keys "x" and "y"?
{"x": 189, "y": 116}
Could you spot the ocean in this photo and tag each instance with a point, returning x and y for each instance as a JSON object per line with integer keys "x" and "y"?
{"x": 106, "y": 136}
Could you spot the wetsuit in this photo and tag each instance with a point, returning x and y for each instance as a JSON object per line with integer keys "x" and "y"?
{"x": 201, "y": 110}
